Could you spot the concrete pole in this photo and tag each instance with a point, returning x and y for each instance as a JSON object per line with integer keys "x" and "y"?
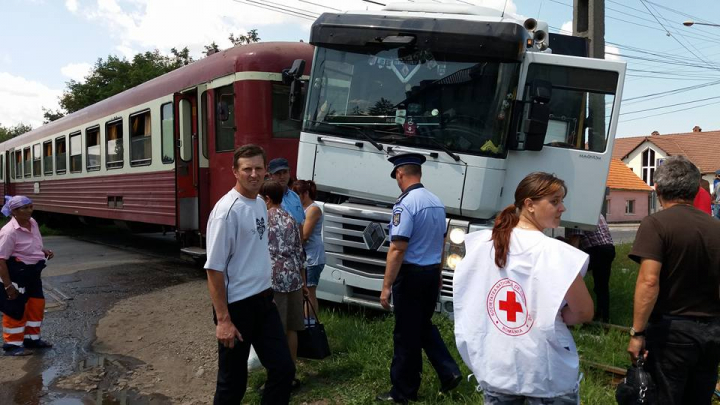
{"x": 589, "y": 22}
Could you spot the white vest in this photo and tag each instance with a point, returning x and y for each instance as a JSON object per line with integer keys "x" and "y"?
{"x": 508, "y": 326}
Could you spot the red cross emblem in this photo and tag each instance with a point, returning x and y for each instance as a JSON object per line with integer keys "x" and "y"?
{"x": 507, "y": 308}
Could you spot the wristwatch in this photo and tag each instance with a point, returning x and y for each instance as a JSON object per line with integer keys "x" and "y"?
{"x": 634, "y": 333}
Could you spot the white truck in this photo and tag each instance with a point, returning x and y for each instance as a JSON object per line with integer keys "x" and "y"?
{"x": 485, "y": 97}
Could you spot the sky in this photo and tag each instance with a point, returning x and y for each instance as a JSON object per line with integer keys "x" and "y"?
{"x": 672, "y": 83}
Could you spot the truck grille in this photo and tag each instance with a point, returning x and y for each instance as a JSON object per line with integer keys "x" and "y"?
{"x": 345, "y": 249}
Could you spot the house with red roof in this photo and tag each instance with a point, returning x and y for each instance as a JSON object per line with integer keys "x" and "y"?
{"x": 643, "y": 154}
{"x": 629, "y": 197}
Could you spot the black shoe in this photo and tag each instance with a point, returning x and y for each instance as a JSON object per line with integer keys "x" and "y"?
{"x": 296, "y": 384}
{"x": 451, "y": 384}
{"x": 387, "y": 397}
{"x": 37, "y": 344}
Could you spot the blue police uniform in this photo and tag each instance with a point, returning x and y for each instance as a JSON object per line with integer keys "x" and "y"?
{"x": 292, "y": 205}
{"x": 419, "y": 219}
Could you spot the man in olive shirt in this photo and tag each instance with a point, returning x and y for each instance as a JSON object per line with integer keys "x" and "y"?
{"x": 677, "y": 296}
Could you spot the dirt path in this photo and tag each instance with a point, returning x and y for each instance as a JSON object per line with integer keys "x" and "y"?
{"x": 172, "y": 332}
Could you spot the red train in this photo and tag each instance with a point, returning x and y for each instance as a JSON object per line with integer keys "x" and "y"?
{"x": 161, "y": 153}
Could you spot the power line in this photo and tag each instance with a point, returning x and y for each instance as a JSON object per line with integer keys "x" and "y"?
{"x": 671, "y": 112}
{"x": 670, "y": 105}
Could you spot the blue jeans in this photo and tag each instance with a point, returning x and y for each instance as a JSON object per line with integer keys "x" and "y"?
{"x": 313, "y": 274}
{"x": 505, "y": 399}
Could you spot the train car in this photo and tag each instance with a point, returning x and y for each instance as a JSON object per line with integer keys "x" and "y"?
{"x": 161, "y": 153}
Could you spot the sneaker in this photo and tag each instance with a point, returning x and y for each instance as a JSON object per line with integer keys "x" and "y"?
{"x": 37, "y": 344}
{"x": 387, "y": 397}
{"x": 17, "y": 351}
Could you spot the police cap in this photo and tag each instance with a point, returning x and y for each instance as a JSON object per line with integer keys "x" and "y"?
{"x": 405, "y": 159}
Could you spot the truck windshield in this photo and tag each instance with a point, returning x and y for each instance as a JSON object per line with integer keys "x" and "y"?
{"x": 413, "y": 97}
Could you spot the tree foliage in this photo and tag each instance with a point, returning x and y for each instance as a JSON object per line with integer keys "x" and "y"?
{"x": 114, "y": 75}
{"x": 11, "y": 132}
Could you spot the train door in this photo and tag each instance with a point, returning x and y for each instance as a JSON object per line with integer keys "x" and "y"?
{"x": 5, "y": 172}
{"x": 186, "y": 167}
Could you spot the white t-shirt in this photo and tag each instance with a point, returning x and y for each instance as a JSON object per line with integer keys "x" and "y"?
{"x": 237, "y": 245}
{"x": 508, "y": 325}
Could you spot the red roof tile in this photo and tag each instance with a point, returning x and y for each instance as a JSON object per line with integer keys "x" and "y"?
{"x": 700, "y": 147}
{"x": 621, "y": 177}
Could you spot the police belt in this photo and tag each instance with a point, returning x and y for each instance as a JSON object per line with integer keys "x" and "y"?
{"x": 408, "y": 267}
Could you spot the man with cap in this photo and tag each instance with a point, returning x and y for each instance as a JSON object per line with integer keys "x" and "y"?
{"x": 413, "y": 276}
{"x": 279, "y": 170}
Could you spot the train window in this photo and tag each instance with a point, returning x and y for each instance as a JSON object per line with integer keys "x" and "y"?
{"x": 26, "y": 162}
{"x": 203, "y": 107}
{"x": 92, "y": 148}
{"x": 282, "y": 125}
{"x": 75, "y": 153}
{"x": 18, "y": 164}
{"x": 224, "y": 119}
{"x": 114, "y": 145}
{"x": 37, "y": 160}
{"x": 60, "y": 155}
{"x": 167, "y": 128}
{"x": 140, "y": 139}
{"x": 47, "y": 157}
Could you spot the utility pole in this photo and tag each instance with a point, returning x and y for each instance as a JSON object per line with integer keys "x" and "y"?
{"x": 589, "y": 22}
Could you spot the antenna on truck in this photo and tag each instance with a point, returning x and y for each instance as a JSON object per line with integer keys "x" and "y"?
{"x": 503, "y": 13}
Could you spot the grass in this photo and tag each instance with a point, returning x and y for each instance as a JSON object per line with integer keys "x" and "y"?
{"x": 361, "y": 341}
{"x": 44, "y": 230}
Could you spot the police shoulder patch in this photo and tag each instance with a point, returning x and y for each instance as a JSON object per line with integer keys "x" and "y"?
{"x": 396, "y": 217}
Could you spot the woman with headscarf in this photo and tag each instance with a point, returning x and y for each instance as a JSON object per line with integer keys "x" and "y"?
{"x": 514, "y": 294}
{"x": 22, "y": 258}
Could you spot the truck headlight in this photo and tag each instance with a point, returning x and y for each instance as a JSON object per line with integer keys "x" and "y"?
{"x": 454, "y": 244}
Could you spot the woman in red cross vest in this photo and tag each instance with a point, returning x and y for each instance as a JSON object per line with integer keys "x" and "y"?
{"x": 514, "y": 294}
{"x": 22, "y": 258}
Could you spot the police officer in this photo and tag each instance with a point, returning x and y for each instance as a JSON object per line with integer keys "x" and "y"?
{"x": 413, "y": 273}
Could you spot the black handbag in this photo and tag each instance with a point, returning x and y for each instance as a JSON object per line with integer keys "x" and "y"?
{"x": 637, "y": 387}
{"x": 312, "y": 342}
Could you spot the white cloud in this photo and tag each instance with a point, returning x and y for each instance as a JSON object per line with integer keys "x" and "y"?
{"x": 567, "y": 28}
{"x": 76, "y": 71}
{"x": 613, "y": 49}
{"x": 21, "y": 100}
{"x": 71, "y": 5}
{"x": 164, "y": 24}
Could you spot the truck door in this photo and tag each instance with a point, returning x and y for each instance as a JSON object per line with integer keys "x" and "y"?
{"x": 186, "y": 164}
{"x": 584, "y": 109}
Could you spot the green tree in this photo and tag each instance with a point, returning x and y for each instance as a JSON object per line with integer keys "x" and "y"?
{"x": 211, "y": 49}
{"x": 250, "y": 37}
{"x": 383, "y": 107}
{"x": 51, "y": 115}
{"x": 114, "y": 75}
{"x": 11, "y": 132}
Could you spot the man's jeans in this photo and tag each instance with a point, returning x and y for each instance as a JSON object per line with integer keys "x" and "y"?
{"x": 683, "y": 357}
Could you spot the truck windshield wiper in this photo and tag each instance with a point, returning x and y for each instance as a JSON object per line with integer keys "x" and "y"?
{"x": 362, "y": 132}
{"x": 431, "y": 139}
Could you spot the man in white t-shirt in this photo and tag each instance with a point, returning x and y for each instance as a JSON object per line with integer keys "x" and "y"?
{"x": 239, "y": 279}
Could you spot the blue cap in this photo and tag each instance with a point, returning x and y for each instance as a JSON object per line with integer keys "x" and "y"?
{"x": 278, "y": 164}
{"x": 405, "y": 159}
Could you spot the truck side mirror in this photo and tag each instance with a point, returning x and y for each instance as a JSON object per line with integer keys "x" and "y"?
{"x": 292, "y": 77}
{"x": 535, "y": 124}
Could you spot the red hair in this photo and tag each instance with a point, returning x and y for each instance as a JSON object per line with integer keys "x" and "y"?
{"x": 534, "y": 186}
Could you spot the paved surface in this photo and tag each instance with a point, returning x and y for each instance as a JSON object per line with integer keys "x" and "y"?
{"x": 82, "y": 282}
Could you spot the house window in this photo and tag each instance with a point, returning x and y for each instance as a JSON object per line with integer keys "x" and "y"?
{"x": 114, "y": 144}
{"x": 648, "y": 167}
{"x": 37, "y": 160}
{"x": 75, "y": 153}
{"x": 225, "y": 119}
{"x": 60, "y": 155}
{"x": 167, "y": 128}
{"x": 27, "y": 162}
{"x": 48, "y": 157}
{"x": 630, "y": 207}
{"x": 92, "y": 148}
{"x": 140, "y": 139}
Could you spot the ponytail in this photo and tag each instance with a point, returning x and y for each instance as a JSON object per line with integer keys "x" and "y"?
{"x": 504, "y": 224}
{"x": 305, "y": 186}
